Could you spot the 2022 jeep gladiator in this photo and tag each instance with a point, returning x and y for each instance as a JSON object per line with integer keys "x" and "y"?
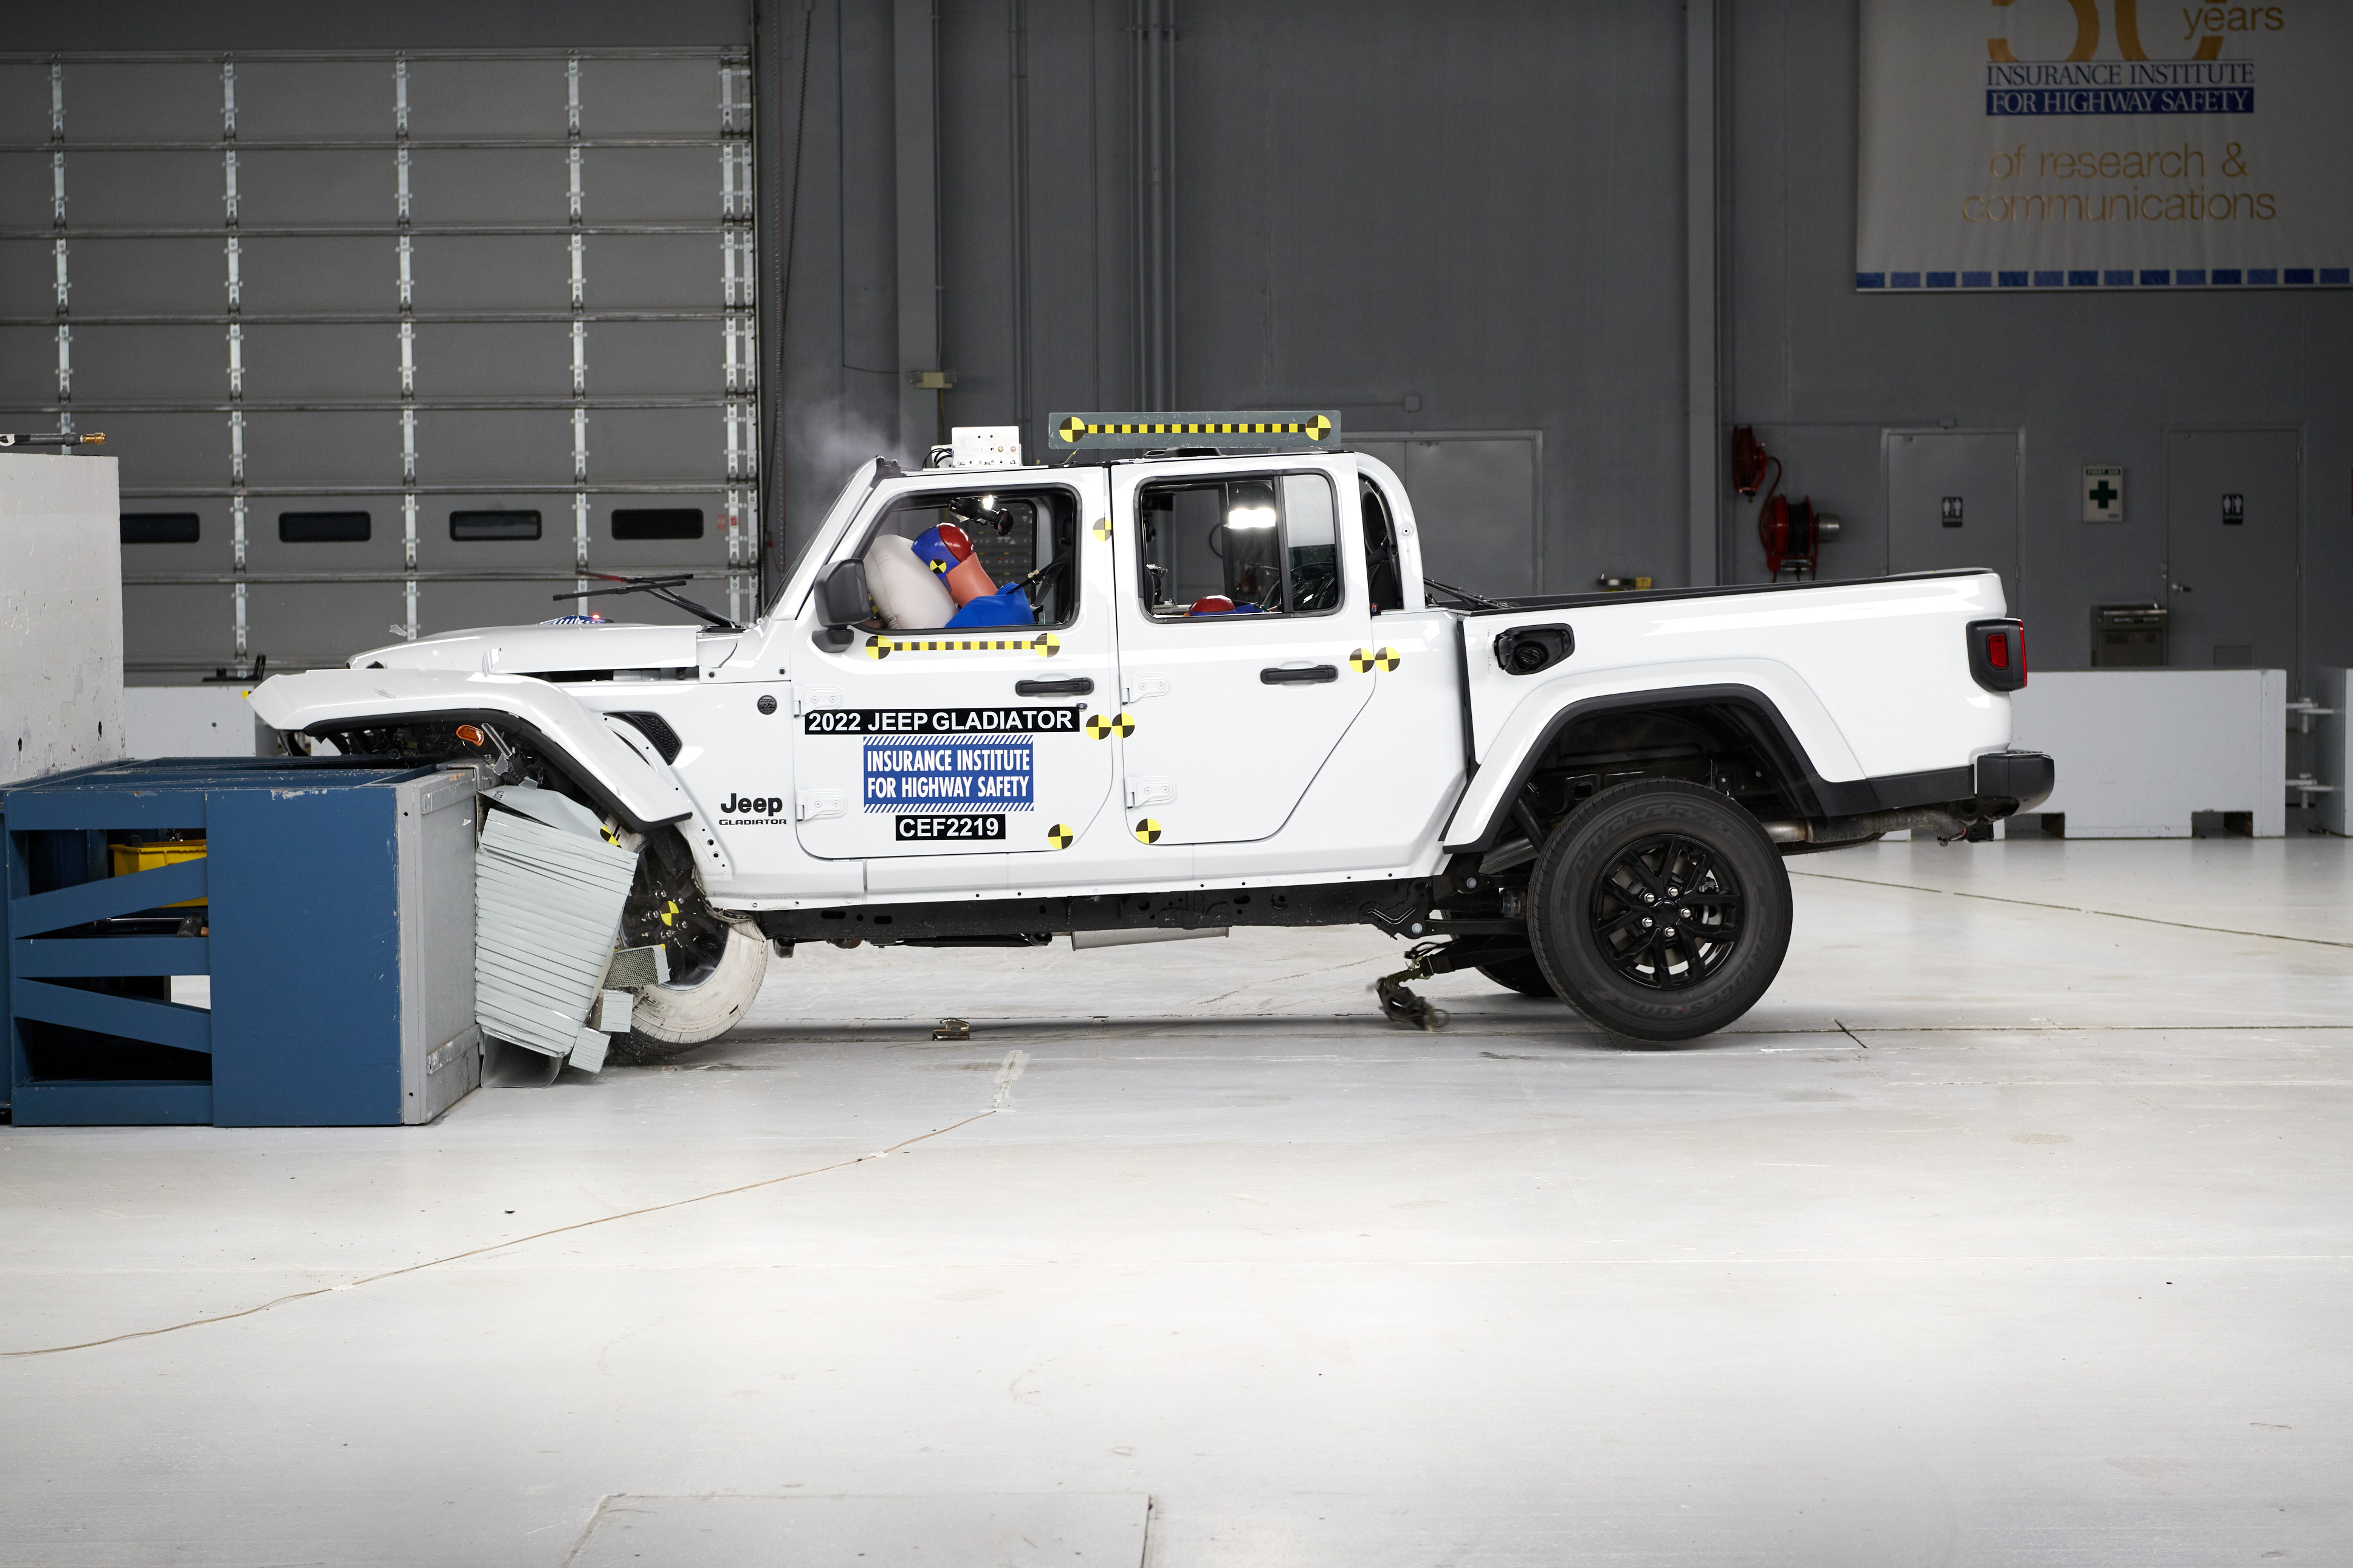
{"x": 1239, "y": 703}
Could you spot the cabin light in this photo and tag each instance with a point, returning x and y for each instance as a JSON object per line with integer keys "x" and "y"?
{"x": 1250, "y": 517}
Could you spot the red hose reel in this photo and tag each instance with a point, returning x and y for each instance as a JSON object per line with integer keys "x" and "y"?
{"x": 1791, "y": 532}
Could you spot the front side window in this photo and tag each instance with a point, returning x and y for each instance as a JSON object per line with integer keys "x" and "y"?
{"x": 968, "y": 560}
{"x": 1262, "y": 545}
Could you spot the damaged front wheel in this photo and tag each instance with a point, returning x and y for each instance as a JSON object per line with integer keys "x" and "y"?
{"x": 715, "y": 965}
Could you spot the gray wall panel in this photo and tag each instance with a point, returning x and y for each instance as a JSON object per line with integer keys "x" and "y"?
{"x": 327, "y": 449}
{"x": 131, "y": 277}
{"x": 141, "y": 363}
{"x": 496, "y": 447}
{"x": 488, "y": 98}
{"x": 128, "y": 100}
{"x": 24, "y": 100}
{"x": 630, "y": 271}
{"x": 161, "y": 449}
{"x": 289, "y": 188}
{"x": 114, "y": 187}
{"x": 662, "y": 444}
{"x": 486, "y": 272}
{"x": 294, "y": 100}
{"x": 153, "y": 619}
{"x": 27, "y": 187}
{"x": 322, "y": 623}
{"x": 337, "y": 273}
{"x": 490, "y": 185}
{"x": 676, "y": 358}
{"x": 675, "y": 184}
{"x": 28, "y": 277}
{"x": 514, "y": 359}
{"x": 29, "y": 369}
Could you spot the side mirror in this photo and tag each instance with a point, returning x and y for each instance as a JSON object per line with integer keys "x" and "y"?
{"x": 841, "y": 601}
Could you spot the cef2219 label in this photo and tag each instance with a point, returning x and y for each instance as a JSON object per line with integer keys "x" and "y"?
{"x": 982, "y": 828}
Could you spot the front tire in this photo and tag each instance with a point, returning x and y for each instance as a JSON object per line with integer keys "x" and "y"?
{"x": 715, "y": 965}
{"x": 1659, "y": 910}
{"x": 670, "y": 1020}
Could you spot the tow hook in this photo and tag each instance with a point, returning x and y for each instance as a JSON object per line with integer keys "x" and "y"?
{"x": 1400, "y": 1004}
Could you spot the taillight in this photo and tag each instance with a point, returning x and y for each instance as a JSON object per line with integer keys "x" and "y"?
{"x": 1998, "y": 653}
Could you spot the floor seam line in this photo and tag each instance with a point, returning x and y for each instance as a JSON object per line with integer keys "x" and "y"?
{"x": 2071, "y": 908}
{"x": 499, "y": 1246}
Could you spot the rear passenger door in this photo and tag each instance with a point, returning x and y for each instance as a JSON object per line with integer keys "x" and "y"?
{"x": 1246, "y": 646}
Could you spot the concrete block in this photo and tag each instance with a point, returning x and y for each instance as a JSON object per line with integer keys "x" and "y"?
{"x": 61, "y": 613}
{"x": 2140, "y": 750}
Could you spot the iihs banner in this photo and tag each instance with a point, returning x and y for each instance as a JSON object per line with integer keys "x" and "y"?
{"x": 2105, "y": 145}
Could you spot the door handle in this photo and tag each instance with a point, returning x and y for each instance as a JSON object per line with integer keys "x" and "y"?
{"x": 1074, "y": 685}
{"x": 1315, "y": 674}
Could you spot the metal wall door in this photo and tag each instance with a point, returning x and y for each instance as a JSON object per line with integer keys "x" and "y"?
{"x": 2232, "y": 515}
{"x": 1952, "y": 501}
{"x": 388, "y": 341}
{"x": 1478, "y": 503}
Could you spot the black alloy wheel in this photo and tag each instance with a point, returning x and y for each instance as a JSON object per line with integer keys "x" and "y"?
{"x": 1666, "y": 914}
{"x": 1659, "y": 909}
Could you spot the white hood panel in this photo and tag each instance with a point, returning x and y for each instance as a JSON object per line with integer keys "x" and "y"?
{"x": 530, "y": 650}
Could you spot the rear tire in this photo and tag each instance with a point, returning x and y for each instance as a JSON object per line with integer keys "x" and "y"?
{"x": 1525, "y": 976}
{"x": 1659, "y": 910}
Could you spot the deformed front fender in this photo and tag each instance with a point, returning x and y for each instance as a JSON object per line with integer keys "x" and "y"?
{"x": 535, "y": 712}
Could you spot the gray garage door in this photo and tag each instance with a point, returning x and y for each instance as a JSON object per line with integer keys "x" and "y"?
{"x": 388, "y": 343}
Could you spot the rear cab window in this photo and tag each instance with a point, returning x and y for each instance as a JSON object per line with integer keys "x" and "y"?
{"x": 1255, "y": 544}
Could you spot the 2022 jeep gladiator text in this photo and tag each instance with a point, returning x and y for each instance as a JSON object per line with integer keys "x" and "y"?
{"x": 1238, "y": 704}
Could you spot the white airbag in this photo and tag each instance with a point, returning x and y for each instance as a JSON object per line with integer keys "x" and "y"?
{"x": 908, "y": 592}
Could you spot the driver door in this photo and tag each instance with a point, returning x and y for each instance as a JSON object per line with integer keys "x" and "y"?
{"x": 921, "y": 741}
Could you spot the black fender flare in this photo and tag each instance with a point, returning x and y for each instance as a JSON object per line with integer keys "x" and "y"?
{"x": 1764, "y": 727}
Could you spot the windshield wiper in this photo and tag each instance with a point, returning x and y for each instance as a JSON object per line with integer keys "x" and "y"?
{"x": 662, "y": 588}
{"x": 1461, "y": 595}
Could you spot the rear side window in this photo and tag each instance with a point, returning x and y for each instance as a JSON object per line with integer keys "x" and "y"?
{"x": 1384, "y": 578}
{"x": 1261, "y": 544}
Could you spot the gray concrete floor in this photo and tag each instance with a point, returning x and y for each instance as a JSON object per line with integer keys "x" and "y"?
{"x": 2012, "y": 1227}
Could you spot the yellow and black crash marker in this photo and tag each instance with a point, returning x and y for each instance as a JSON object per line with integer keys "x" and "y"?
{"x": 1102, "y": 726}
{"x": 1257, "y": 429}
{"x": 1060, "y": 836}
{"x": 1103, "y": 528}
{"x": 1045, "y": 644}
{"x": 1366, "y": 660}
{"x": 1148, "y": 830}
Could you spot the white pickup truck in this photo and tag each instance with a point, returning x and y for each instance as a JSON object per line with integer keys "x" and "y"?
{"x": 1237, "y": 702}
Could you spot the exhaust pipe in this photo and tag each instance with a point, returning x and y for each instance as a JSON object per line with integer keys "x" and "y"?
{"x": 1831, "y": 832}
